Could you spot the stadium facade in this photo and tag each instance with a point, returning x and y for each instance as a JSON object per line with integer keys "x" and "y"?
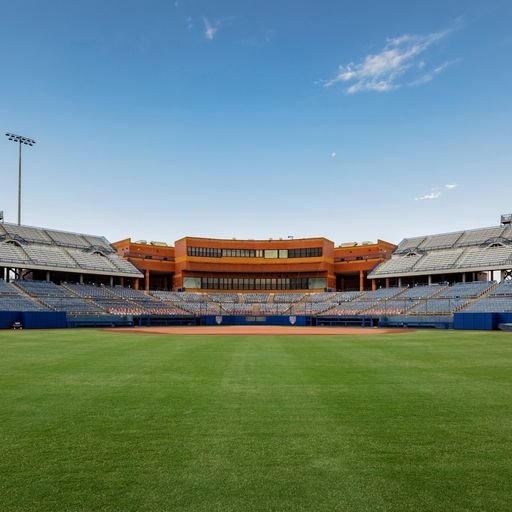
{"x": 209, "y": 264}
{"x": 424, "y": 281}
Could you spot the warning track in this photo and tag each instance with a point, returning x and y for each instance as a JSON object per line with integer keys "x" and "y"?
{"x": 261, "y": 330}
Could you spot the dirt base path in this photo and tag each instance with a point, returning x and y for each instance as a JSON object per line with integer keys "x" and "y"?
{"x": 261, "y": 330}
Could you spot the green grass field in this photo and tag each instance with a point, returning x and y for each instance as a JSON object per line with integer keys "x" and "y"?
{"x": 97, "y": 421}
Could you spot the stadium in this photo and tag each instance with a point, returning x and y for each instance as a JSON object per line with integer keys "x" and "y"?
{"x": 452, "y": 280}
{"x": 256, "y": 256}
{"x": 247, "y": 375}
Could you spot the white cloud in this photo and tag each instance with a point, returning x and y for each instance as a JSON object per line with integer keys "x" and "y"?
{"x": 210, "y": 29}
{"x": 437, "y": 192}
{"x": 427, "y": 77}
{"x": 432, "y": 195}
{"x": 333, "y": 155}
{"x": 382, "y": 71}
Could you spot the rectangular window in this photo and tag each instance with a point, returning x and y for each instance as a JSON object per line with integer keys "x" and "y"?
{"x": 305, "y": 252}
{"x": 271, "y": 254}
{"x": 192, "y": 282}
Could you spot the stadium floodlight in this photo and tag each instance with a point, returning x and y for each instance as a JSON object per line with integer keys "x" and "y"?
{"x": 21, "y": 140}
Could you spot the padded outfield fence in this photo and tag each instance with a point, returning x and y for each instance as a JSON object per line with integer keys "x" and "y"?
{"x": 59, "y": 320}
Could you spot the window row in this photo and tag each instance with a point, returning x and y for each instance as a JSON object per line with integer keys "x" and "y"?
{"x": 307, "y": 252}
{"x": 215, "y": 252}
{"x": 280, "y": 283}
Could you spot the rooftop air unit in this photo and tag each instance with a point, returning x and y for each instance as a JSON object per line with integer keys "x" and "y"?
{"x": 506, "y": 219}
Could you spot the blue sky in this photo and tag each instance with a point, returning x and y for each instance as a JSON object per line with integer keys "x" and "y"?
{"x": 351, "y": 120}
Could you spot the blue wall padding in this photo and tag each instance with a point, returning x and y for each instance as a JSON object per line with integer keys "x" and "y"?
{"x": 33, "y": 319}
{"x": 255, "y": 320}
{"x": 7, "y": 318}
{"x": 475, "y": 321}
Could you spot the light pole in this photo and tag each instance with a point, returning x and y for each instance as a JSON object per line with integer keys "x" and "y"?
{"x": 28, "y": 142}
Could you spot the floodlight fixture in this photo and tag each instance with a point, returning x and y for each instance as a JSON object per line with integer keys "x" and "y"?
{"x": 26, "y": 141}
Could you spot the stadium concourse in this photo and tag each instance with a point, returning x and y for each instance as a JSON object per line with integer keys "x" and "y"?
{"x": 461, "y": 279}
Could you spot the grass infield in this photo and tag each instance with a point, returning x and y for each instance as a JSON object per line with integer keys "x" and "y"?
{"x": 98, "y": 421}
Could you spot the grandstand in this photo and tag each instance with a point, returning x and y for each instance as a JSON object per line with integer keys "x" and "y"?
{"x": 39, "y": 253}
{"x": 460, "y": 256}
{"x": 84, "y": 277}
{"x": 79, "y": 300}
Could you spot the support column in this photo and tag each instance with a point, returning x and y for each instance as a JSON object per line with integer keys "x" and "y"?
{"x": 146, "y": 280}
{"x": 374, "y": 284}
{"x": 111, "y": 280}
{"x": 387, "y": 282}
{"x": 122, "y": 281}
{"x": 81, "y": 279}
{"x": 399, "y": 282}
{"x": 429, "y": 280}
{"x": 136, "y": 283}
{"x": 361, "y": 281}
{"x": 48, "y": 276}
{"x": 464, "y": 277}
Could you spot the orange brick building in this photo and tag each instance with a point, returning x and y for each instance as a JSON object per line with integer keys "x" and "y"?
{"x": 208, "y": 264}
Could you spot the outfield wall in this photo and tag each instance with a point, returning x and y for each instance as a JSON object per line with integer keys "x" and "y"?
{"x": 58, "y": 320}
{"x": 253, "y": 320}
{"x": 33, "y": 319}
{"x": 480, "y": 321}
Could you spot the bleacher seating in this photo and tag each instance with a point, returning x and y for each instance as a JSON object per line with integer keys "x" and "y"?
{"x": 461, "y": 251}
{"x": 231, "y": 308}
{"x": 352, "y": 308}
{"x": 463, "y": 290}
{"x": 479, "y": 236}
{"x": 86, "y": 299}
{"x": 276, "y": 308}
{"x": 49, "y": 255}
{"x": 44, "y": 249}
{"x": 287, "y": 297}
{"x": 69, "y": 239}
{"x": 435, "y": 306}
{"x": 43, "y": 289}
{"x": 321, "y": 297}
{"x": 11, "y": 299}
{"x": 12, "y": 253}
{"x": 391, "y": 307}
{"x": 27, "y": 233}
{"x": 503, "y": 289}
{"x": 381, "y": 293}
{"x": 442, "y": 241}
{"x": 436, "y": 260}
{"x": 224, "y": 297}
{"x": 409, "y": 244}
{"x": 58, "y": 298}
{"x": 167, "y": 296}
{"x": 499, "y": 300}
{"x": 422, "y": 292}
{"x": 488, "y": 257}
{"x": 88, "y": 291}
{"x": 398, "y": 264}
{"x": 313, "y": 308}
{"x": 256, "y": 298}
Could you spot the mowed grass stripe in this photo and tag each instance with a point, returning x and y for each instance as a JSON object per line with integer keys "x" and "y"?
{"x": 422, "y": 438}
{"x": 105, "y": 421}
